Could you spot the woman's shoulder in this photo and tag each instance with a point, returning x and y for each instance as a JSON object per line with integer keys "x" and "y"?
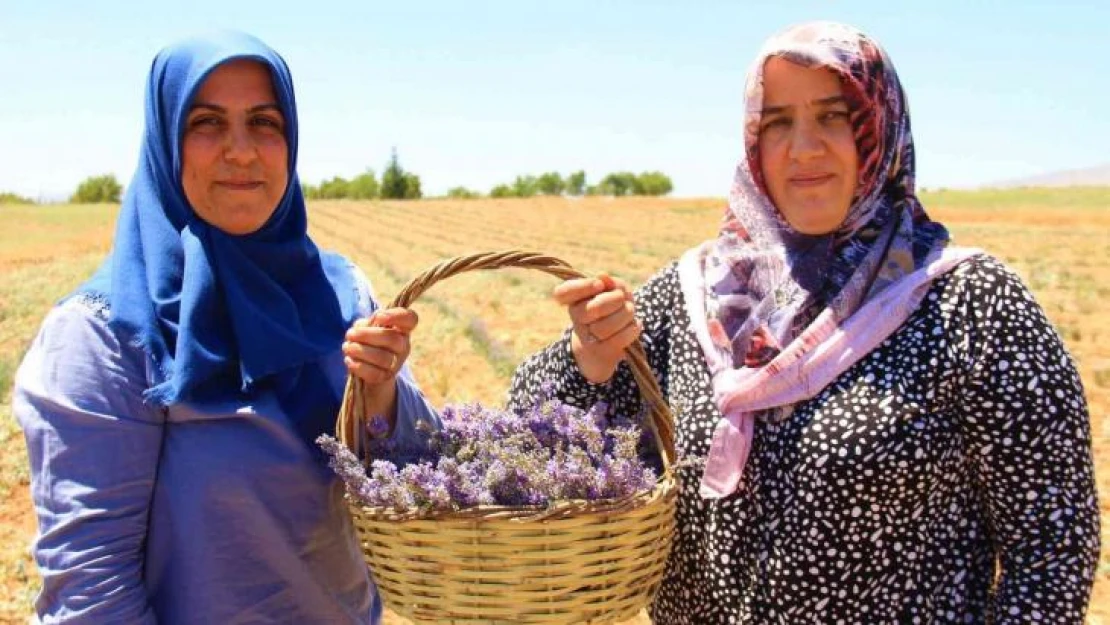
{"x": 985, "y": 277}
{"x": 80, "y": 324}
{"x": 77, "y": 338}
{"x": 987, "y": 300}
{"x": 79, "y": 314}
{"x": 663, "y": 284}
{"x": 336, "y": 264}
{"x": 341, "y": 270}
{"x": 86, "y": 305}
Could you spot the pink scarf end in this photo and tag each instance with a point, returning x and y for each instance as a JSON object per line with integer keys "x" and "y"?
{"x": 728, "y": 453}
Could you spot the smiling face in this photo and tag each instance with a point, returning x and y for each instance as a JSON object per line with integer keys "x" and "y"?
{"x": 234, "y": 152}
{"x": 807, "y": 149}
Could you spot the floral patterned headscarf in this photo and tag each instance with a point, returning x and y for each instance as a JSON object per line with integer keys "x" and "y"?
{"x": 764, "y": 281}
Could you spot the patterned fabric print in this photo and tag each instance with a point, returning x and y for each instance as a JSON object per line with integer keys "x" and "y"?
{"x": 759, "y": 271}
{"x": 961, "y": 441}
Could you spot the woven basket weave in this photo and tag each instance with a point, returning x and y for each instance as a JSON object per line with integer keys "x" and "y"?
{"x": 574, "y": 562}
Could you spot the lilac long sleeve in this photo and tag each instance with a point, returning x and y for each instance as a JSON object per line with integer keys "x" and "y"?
{"x": 94, "y": 450}
{"x": 199, "y": 513}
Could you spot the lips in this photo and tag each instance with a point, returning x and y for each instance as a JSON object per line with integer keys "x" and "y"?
{"x": 810, "y": 179}
{"x": 240, "y": 185}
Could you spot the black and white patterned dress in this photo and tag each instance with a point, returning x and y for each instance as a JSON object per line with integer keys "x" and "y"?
{"x": 962, "y": 439}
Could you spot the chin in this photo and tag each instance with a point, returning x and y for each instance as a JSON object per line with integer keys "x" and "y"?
{"x": 816, "y": 219}
{"x": 241, "y": 227}
{"x": 815, "y": 229}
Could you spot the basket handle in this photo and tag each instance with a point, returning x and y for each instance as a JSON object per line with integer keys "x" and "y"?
{"x": 661, "y": 420}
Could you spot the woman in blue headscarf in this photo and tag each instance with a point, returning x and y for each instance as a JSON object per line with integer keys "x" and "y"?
{"x": 170, "y": 405}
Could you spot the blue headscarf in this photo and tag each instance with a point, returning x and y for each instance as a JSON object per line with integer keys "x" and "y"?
{"x": 222, "y": 316}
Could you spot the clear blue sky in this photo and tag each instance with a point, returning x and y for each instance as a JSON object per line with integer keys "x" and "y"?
{"x": 475, "y": 92}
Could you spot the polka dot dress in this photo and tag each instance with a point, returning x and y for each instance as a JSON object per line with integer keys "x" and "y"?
{"x": 962, "y": 441}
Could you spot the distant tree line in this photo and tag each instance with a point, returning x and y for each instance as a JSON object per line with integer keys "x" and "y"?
{"x": 103, "y": 189}
{"x": 12, "y": 198}
{"x": 97, "y": 190}
{"x": 574, "y": 184}
{"x": 398, "y": 184}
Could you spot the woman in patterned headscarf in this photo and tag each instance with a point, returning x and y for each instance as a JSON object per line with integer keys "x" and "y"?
{"x": 876, "y": 426}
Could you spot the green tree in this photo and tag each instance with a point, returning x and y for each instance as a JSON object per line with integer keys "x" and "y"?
{"x": 412, "y": 187}
{"x": 550, "y": 183}
{"x": 12, "y": 198}
{"x": 576, "y": 183}
{"x": 363, "y": 186}
{"x": 525, "y": 186}
{"x": 335, "y": 189}
{"x": 462, "y": 193}
{"x": 310, "y": 192}
{"x": 97, "y": 190}
{"x": 501, "y": 191}
{"x": 396, "y": 183}
{"x": 654, "y": 183}
{"x": 619, "y": 184}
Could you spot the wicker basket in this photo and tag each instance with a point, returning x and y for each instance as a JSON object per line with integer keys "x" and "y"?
{"x": 575, "y": 562}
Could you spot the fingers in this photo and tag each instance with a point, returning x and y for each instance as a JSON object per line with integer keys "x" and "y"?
{"x": 577, "y": 289}
{"x": 378, "y": 361}
{"x": 625, "y": 336}
{"x": 610, "y": 325}
{"x": 369, "y": 373}
{"x": 386, "y": 329}
{"x": 590, "y": 299}
{"x": 599, "y": 347}
{"x": 603, "y": 318}
{"x": 601, "y": 307}
{"x": 375, "y": 348}
{"x": 400, "y": 319}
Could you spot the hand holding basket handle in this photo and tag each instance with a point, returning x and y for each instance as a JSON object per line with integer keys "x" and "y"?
{"x": 374, "y": 349}
{"x": 603, "y": 316}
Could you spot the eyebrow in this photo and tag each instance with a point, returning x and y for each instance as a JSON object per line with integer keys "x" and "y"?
{"x": 833, "y": 99}
{"x": 267, "y": 106}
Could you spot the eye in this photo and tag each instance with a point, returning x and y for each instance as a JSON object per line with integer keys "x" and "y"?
{"x": 834, "y": 116}
{"x": 205, "y": 121}
{"x": 267, "y": 121}
{"x": 780, "y": 121}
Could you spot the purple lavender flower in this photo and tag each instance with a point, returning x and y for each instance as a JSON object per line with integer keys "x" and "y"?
{"x": 427, "y": 485}
{"x": 386, "y": 489}
{"x": 484, "y": 456}
{"x": 344, "y": 463}
{"x": 378, "y": 426}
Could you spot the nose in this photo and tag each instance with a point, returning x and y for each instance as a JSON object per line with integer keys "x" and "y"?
{"x": 806, "y": 141}
{"x": 239, "y": 145}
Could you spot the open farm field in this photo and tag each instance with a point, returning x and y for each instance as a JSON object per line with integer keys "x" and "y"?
{"x": 475, "y": 328}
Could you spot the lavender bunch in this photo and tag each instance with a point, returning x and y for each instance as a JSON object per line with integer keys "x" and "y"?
{"x": 485, "y": 456}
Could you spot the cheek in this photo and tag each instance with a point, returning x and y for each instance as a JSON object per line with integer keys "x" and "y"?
{"x": 275, "y": 156}
{"x": 197, "y": 154}
{"x": 771, "y": 163}
{"x": 846, "y": 150}
{"x": 195, "y": 159}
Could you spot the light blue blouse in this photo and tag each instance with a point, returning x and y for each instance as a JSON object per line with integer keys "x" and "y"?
{"x": 213, "y": 513}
